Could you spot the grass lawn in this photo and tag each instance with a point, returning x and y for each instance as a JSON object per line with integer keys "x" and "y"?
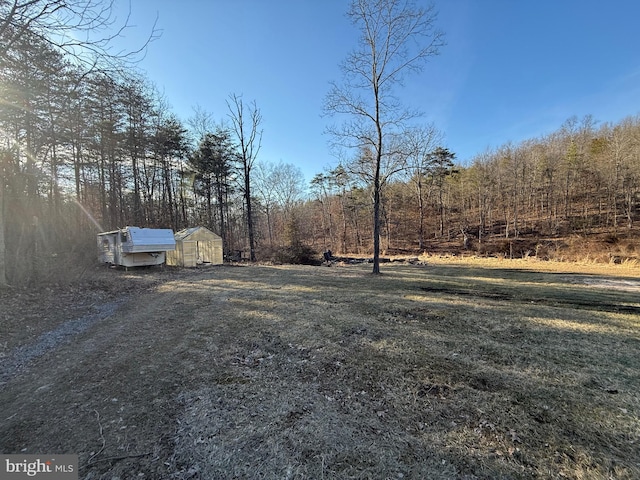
{"x": 457, "y": 369}
{"x": 449, "y": 370}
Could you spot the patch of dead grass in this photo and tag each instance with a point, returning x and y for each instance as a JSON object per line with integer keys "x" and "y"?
{"x": 380, "y": 377}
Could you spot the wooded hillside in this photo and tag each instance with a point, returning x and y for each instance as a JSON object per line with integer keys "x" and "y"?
{"x": 532, "y": 198}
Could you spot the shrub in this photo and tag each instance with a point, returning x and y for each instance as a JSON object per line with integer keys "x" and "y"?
{"x": 294, "y": 254}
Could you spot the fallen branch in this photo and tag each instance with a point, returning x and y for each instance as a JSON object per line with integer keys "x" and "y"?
{"x": 115, "y": 459}
{"x": 101, "y": 437}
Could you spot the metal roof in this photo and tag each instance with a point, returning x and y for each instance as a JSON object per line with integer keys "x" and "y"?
{"x": 187, "y": 232}
{"x": 145, "y": 239}
{"x": 151, "y": 236}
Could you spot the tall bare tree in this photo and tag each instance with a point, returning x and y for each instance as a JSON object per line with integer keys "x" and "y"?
{"x": 420, "y": 142}
{"x": 397, "y": 37}
{"x": 246, "y": 121}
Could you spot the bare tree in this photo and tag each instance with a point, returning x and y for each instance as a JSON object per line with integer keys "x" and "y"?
{"x": 246, "y": 120}
{"x": 279, "y": 187}
{"x": 201, "y": 123}
{"x": 420, "y": 142}
{"x": 266, "y": 193}
{"x": 289, "y": 186}
{"x": 397, "y": 37}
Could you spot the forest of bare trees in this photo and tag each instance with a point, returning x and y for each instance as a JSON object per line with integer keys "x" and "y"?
{"x": 86, "y": 149}
{"x": 582, "y": 179}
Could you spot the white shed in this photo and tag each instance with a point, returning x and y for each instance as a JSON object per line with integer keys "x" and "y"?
{"x": 195, "y": 246}
{"x": 135, "y": 246}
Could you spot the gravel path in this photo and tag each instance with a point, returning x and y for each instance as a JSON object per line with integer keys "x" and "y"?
{"x": 20, "y": 358}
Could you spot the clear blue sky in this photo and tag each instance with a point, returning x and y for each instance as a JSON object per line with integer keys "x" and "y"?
{"x": 511, "y": 69}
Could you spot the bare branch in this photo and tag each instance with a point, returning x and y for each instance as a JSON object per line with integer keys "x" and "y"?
{"x": 84, "y": 30}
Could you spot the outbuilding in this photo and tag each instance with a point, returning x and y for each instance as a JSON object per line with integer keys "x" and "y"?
{"x": 135, "y": 246}
{"x": 196, "y": 246}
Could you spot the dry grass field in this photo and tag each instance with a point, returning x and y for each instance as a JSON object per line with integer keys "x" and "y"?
{"x": 453, "y": 369}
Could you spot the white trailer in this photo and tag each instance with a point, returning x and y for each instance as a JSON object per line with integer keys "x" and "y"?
{"x": 135, "y": 246}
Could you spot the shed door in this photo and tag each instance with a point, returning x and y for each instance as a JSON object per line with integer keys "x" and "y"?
{"x": 204, "y": 252}
{"x": 189, "y": 253}
{"x": 199, "y": 253}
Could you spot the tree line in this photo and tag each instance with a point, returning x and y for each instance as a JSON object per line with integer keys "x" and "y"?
{"x": 88, "y": 144}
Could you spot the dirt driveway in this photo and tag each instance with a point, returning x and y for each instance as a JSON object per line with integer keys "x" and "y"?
{"x": 104, "y": 384}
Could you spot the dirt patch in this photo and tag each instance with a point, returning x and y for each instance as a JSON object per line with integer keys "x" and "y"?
{"x": 316, "y": 372}
{"x": 614, "y": 284}
{"x": 594, "y": 303}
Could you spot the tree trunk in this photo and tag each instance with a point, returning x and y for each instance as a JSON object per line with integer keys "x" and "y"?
{"x": 376, "y": 212}
{"x": 344, "y": 222}
{"x": 3, "y": 270}
{"x": 247, "y": 189}
{"x": 221, "y": 205}
{"x": 421, "y": 214}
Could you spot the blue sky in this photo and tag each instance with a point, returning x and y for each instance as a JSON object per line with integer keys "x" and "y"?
{"x": 511, "y": 69}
